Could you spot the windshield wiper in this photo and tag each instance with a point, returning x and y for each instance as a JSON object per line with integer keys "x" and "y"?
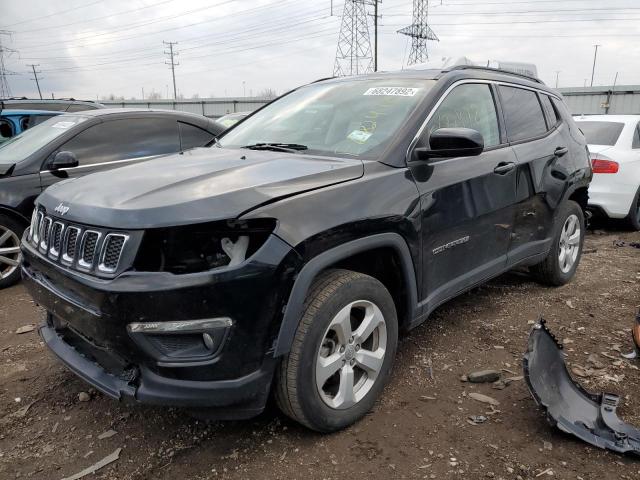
{"x": 277, "y": 147}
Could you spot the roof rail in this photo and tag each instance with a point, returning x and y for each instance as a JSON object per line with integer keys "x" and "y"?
{"x": 496, "y": 70}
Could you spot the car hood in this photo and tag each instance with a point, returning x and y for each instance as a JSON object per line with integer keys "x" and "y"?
{"x": 199, "y": 185}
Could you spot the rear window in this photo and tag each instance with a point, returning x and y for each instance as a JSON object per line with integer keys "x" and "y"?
{"x": 523, "y": 114}
{"x": 601, "y": 133}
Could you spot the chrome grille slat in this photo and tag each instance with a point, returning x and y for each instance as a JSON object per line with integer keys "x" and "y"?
{"x": 75, "y": 246}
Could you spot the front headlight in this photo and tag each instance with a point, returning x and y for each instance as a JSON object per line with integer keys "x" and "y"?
{"x": 201, "y": 247}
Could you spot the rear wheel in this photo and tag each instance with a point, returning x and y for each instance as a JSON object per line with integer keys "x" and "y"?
{"x": 342, "y": 352}
{"x": 566, "y": 249}
{"x": 634, "y": 214}
{"x": 10, "y": 255}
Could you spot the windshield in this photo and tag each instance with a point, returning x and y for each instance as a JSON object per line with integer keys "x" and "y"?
{"x": 601, "y": 133}
{"x": 352, "y": 117}
{"x": 32, "y": 140}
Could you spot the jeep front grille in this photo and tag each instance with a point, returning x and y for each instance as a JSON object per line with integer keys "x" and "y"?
{"x": 76, "y": 246}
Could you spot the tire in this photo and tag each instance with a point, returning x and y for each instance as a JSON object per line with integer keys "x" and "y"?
{"x": 10, "y": 255}
{"x": 633, "y": 219}
{"x": 553, "y": 270}
{"x": 335, "y": 295}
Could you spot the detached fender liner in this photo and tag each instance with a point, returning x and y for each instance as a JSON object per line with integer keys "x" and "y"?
{"x": 592, "y": 418}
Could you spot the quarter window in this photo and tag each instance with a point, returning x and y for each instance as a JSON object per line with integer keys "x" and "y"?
{"x": 192, "y": 136}
{"x": 523, "y": 114}
{"x": 124, "y": 139}
{"x": 470, "y": 106}
{"x": 550, "y": 112}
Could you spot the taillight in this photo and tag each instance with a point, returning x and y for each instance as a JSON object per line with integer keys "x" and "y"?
{"x": 599, "y": 165}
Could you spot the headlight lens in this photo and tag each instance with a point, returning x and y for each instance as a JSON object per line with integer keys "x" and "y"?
{"x": 201, "y": 247}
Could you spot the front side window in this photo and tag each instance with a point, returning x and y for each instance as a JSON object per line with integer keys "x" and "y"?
{"x": 522, "y": 113}
{"x": 192, "y": 136}
{"x": 124, "y": 139}
{"x": 351, "y": 117}
{"x": 470, "y": 106}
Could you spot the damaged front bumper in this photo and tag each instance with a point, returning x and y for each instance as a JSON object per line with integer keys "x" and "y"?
{"x": 590, "y": 417}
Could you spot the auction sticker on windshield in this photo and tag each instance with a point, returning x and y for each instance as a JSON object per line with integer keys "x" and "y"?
{"x": 392, "y": 91}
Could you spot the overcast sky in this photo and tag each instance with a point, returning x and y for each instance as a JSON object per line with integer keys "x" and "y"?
{"x": 89, "y": 48}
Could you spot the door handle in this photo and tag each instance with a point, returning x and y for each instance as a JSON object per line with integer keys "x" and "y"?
{"x": 560, "y": 151}
{"x": 504, "y": 167}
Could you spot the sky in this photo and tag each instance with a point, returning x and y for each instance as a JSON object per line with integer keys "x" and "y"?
{"x": 91, "y": 49}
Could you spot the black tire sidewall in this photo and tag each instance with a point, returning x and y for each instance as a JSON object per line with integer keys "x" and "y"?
{"x": 634, "y": 222}
{"x": 17, "y": 228}
{"x": 569, "y": 208}
{"x": 317, "y": 413}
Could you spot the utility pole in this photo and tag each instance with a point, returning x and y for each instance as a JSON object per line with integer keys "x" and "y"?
{"x": 420, "y": 33}
{"x": 595, "y": 55}
{"x": 173, "y": 65}
{"x": 35, "y": 76}
{"x": 375, "y": 34}
{"x": 557, "y": 77}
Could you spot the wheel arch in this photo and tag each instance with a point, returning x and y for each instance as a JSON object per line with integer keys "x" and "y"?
{"x": 341, "y": 256}
{"x": 14, "y": 215}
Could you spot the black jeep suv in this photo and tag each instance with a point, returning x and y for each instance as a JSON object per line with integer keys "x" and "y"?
{"x": 287, "y": 257}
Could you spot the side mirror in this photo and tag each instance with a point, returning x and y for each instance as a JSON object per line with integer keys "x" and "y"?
{"x": 452, "y": 142}
{"x": 63, "y": 160}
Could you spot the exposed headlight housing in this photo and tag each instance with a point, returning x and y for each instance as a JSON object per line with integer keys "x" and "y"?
{"x": 201, "y": 247}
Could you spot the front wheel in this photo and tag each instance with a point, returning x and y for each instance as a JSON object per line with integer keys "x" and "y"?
{"x": 10, "y": 255}
{"x": 342, "y": 352}
{"x": 560, "y": 265}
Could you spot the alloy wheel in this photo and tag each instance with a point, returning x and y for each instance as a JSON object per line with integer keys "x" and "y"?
{"x": 10, "y": 254}
{"x": 569, "y": 243}
{"x": 351, "y": 355}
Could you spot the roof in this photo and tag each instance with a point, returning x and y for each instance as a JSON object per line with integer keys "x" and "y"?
{"x": 138, "y": 111}
{"x": 10, "y": 112}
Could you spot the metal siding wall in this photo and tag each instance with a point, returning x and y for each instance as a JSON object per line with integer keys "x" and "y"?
{"x": 625, "y": 99}
{"x": 212, "y": 107}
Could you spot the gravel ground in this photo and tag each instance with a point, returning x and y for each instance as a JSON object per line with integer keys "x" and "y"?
{"x": 52, "y": 425}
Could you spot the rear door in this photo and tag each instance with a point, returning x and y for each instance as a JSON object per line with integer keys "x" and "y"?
{"x": 541, "y": 142}
{"x": 115, "y": 143}
{"x": 467, "y": 202}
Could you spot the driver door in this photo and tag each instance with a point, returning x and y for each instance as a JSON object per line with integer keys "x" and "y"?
{"x": 467, "y": 203}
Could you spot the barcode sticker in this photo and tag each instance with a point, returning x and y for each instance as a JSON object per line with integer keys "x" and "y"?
{"x": 392, "y": 91}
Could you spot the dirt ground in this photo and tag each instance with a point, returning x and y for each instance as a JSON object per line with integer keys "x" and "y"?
{"x": 419, "y": 428}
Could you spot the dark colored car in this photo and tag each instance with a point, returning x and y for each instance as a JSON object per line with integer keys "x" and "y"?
{"x": 14, "y": 122}
{"x": 72, "y": 145}
{"x": 287, "y": 257}
{"x": 55, "y": 105}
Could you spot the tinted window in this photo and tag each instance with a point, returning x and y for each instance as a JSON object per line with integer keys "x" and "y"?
{"x": 601, "y": 133}
{"x": 192, "y": 136}
{"x": 6, "y": 130}
{"x": 550, "y": 112}
{"x": 469, "y": 106}
{"x": 75, "y": 107}
{"x": 29, "y": 121}
{"x": 522, "y": 113}
{"x": 123, "y": 139}
{"x": 636, "y": 137}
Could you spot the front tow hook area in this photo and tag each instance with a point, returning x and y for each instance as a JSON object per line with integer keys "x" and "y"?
{"x": 590, "y": 417}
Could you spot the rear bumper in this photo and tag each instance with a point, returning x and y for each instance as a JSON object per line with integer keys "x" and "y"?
{"x": 612, "y": 194}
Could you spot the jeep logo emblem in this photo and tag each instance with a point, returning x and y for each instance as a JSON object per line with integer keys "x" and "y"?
{"x": 61, "y": 209}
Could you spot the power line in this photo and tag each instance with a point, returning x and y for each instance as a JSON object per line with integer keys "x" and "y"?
{"x": 420, "y": 33}
{"x": 173, "y": 64}
{"x": 35, "y": 77}
{"x": 53, "y": 14}
{"x": 353, "y": 53}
